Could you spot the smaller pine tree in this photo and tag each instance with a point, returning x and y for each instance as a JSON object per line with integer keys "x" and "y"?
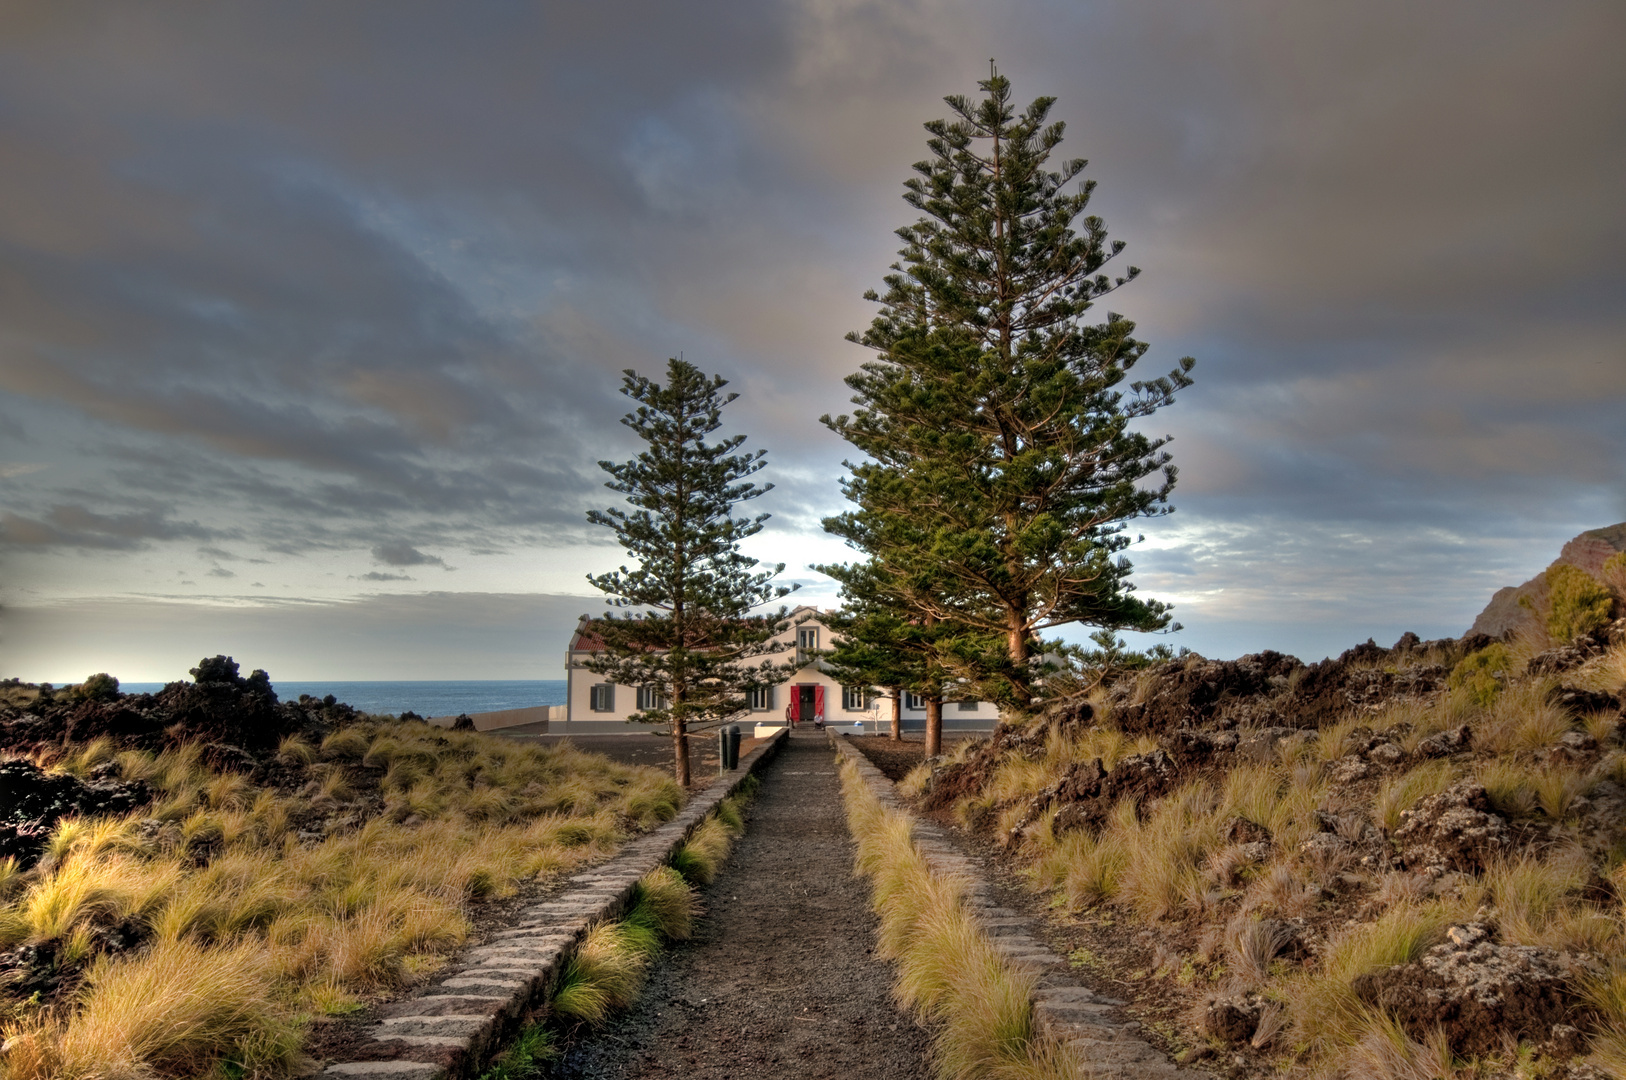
{"x": 691, "y": 634}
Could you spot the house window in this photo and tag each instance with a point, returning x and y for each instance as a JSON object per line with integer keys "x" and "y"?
{"x": 854, "y": 698}
{"x": 603, "y": 697}
{"x": 759, "y": 698}
{"x": 807, "y": 638}
{"x": 650, "y": 697}
{"x": 913, "y": 702}
{"x": 966, "y": 706}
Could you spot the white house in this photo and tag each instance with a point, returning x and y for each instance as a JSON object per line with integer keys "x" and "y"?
{"x": 807, "y": 695}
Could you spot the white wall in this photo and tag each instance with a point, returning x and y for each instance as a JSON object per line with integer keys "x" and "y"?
{"x": 581, "y": 681}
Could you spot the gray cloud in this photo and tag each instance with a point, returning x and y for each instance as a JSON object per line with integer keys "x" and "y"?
{"x": 288, "y": 308}
{"x": 71, "y": 525}
{"x": 396, "y": 554}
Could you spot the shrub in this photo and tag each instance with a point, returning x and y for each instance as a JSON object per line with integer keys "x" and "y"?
{"x": 99, "y": 687}
{"x": 1613, "y": 573}
{"x": 1580, "y": 603}
{"x": 1482, "y": 673}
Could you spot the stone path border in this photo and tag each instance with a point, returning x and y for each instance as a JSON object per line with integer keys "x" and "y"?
{"x": 1073, "y": 1015}
{"x": 450, "y": 1029}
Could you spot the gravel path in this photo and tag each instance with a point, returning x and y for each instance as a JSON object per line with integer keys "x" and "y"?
{"x": 781, "y": 975}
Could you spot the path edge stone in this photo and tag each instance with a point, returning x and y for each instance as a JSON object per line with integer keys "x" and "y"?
{"x": 1074, "y": 1016}
{"x": 451, "y": 1028}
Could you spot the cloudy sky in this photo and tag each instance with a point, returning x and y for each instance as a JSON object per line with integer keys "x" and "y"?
{"x": 311, "y": 315}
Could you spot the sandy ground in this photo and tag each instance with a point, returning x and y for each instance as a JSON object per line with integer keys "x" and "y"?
{"x": 780, "y": 978}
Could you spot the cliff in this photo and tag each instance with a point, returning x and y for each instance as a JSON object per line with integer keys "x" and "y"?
{"x": 1587, "y": 551}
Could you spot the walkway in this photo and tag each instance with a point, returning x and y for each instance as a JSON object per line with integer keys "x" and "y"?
{"x": 780, "y": 978}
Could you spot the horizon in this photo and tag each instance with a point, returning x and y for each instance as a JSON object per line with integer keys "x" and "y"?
{"x": 310, "y": 351}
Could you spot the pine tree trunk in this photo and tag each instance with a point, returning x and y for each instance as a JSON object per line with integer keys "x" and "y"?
{"x": 934, "y": 725}
{"x": 1016, "y": 643}
{"x": 897, "y": 714}
{"x": 680, "y": 750}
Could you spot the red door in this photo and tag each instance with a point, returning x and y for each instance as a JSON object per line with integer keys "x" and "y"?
{"x": 793, "y": 711}
{"x": 818, "y": 703}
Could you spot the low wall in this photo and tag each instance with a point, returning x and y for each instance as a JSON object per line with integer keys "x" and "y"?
{"x": 507, "y": 718}
{"x": 1087, "y": 1024}
{"x": 475, "y": 1005}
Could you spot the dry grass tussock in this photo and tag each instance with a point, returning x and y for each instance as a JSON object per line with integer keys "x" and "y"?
{"x": 1172, "y": 856}
{"x": 948, "y": 971}
{"x": 244, "y": 924}
{"x": 607, "y": 972}
{"x": 1221, "y": 858}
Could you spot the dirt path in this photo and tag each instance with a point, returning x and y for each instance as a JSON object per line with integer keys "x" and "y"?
{"x": 781, "y": 975}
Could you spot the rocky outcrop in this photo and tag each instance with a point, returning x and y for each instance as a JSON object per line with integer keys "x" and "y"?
{"x": 1454, "y": 830}
{"x": 1479, "y": 992}
{"x": 1508, "y": 612}
{"x": 238, "y": 719}
{"x": 1270, "y": 689}
{"x": 32, "y": 801}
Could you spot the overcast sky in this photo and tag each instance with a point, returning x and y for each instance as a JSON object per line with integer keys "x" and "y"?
{"x": 312, "y": 314}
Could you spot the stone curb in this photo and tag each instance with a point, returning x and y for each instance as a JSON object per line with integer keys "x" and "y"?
{"x": 450, "y": 1029}
{"x": 1072, "y": 1015}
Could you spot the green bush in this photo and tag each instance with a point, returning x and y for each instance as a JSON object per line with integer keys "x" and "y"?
{"x": 1478, "y": 671}
{"x": 1613, "y": 573}
{"x": 1580, "y": 603}
{"x": 99, "y": 687}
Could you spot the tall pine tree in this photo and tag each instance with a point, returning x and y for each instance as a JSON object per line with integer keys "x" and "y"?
{"x": 876, "y": 645}
{"x": 693, "y": 636}
{"x": 1001, "y": 464}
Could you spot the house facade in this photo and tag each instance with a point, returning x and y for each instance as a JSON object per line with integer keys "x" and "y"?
{"x": 811, "y": 693}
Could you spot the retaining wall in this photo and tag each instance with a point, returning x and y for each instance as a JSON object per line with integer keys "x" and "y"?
{"x": 450, "y": 1029}
{"x": 1075, "y": 1016}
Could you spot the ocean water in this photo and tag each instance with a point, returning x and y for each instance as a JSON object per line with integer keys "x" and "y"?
{"x": 439, "y": 698}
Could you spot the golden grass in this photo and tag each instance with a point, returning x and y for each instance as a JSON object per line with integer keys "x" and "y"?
{"x": 1171, "y": 857}
{"x": 1400, "y": 793}
{"x": 1523, "y": 717}
{"x": 949, "y": 973}
{"x": 363, "y": 909}
{"x": 1606, "y": 672}
{"x": 1327, "y": 1015}
{"x": 1018, "y": 779}
{"x": 700, "y": 858}
{"x": 1606, "y": 994}
{"x": 1539, "y": 903}
{"x": 607, "y": 971}
{"x": 1166, "y": 864}
{"x": 605, "y": 974}
{"x": 170, "y": 1011}
{"x": 1251, "y": 943}
{"x": 1384, "y": 1051}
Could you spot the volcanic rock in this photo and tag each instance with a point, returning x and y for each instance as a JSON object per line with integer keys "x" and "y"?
{"x": 32, "y": 801}
{"x": 1230, "y": 1019}
{"x": 1479, "y": 992}
{"x": 1454, "y": 830}
{"x": 1563, "y": 658}
{"x": 1446, "y": 743}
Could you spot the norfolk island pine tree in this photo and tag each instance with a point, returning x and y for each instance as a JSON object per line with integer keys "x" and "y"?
{"x": 693, "y": 635}
{"x": 1001, "y": 465}
{"x": 879, "y": 645}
